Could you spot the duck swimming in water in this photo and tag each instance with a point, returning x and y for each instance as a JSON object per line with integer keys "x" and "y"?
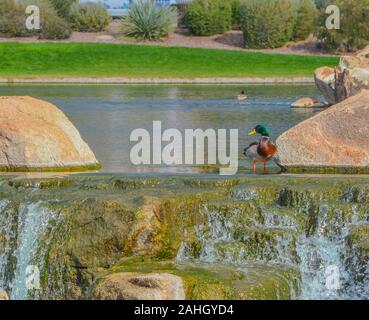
{"x": 242, "y": 96}
{"x": 264, "y": 150}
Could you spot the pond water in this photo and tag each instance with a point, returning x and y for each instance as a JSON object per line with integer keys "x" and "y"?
{"x": 105, "y": 115}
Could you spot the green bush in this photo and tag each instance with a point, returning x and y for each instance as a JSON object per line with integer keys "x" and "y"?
{"x": 208, "y": 17}
{"x": 267, "y": 23}
{"x": 306, "y": 19}
{"x": 323, "y": 4}
{"x": 146, "y": 20}
{"x": 63, "y": 7}
{"x": 53, "y": 27}
{"x": 354, "y": 27}
{"x": 89, "y": 17}
{"x": 13, "y": 19}
{"x": 236, "y": 13}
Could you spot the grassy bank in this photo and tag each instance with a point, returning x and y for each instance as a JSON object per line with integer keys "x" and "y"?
{"x": 26, "y": 60}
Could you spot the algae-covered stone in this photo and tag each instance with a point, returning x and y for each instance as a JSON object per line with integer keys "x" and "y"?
{"x": 215, "y": 281}
{"x": 36, "y": 135}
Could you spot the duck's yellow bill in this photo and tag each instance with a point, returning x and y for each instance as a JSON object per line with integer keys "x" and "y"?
{"x": 251, "y": 133}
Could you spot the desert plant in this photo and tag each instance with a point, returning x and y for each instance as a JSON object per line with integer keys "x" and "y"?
{"x": 146, "y": 20}
{"x": 52, "y": 26}
{"x": 267, "y": 23}
{"x": 13, "y": 19}
{"x": 208, "y": 17}
{"x": 89, "y": 16}
{"x": 306, "y": 19}
{"x": 55, "y": 28}
{"x": 354, "y": 27}
{"x": 63, "y": 7}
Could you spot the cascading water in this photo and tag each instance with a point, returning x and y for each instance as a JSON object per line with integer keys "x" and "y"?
{"x": 319, "y": 247}
{"x": 22, "y": 229}
{"x": 322, "y": 254}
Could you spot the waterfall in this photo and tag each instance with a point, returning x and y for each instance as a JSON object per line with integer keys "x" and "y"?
{"x": 328, "y": 265}
{"x": 7, "y": 221}
{"x": 21, "y": 256}
{"x": 301, "y": 229}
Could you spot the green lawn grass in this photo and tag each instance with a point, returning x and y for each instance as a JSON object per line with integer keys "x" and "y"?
{"x": 112, "y": 60}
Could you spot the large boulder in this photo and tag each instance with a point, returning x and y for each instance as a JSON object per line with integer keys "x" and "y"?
{"x": 348, "y": 79}
{"x": 36, "y": 135}
{"x": 336, "y": 137}
{"x": 133, "y": 286}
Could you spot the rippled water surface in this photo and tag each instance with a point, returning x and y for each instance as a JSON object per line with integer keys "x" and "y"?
{"x": 106, "y": 115}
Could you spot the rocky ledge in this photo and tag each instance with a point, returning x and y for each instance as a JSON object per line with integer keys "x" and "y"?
{"x": 114, "y": 237}
{"x": 36, "y": 136}
{"x": 346, "y": 80}
{"x": 335, "y": 138}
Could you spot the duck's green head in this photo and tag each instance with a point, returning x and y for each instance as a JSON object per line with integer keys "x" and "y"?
{"x": 261, "y": 129}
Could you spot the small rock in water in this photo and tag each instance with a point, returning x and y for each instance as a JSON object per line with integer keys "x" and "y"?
{"x": 3, "y": 295}
{"x": 307, "y": 103}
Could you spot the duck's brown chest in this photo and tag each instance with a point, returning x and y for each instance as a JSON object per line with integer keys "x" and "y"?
{"x": 266, "y": 148}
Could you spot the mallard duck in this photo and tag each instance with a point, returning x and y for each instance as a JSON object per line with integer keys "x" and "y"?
{"x": 264, "y": 150}
{"x": 242, "y": 96}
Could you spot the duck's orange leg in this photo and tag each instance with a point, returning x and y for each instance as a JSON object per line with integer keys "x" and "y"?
{"x": 265, "y": 168}
{"x": 254, "y": 167}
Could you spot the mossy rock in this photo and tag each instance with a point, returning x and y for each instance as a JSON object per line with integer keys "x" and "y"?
{"x": 218, "y": 282}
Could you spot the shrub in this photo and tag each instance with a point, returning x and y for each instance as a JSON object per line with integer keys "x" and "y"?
{"x": 354, "y": 27}
{"x": 267, "y": 23}
{"x": 63, "y": 7}
{"x": 208, "y": 17}
{"x": 323, "y": 4}
{"x": 235, "y": 5}
{"x": 89, "y": 17}
{"x": 52, "y": 26}
{"x": 146, "y": 20}
{"x": 306, "y": 19}
{"x": 13, "y": 19}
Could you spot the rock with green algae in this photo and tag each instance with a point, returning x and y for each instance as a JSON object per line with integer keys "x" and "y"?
{"x": 213, "y": 282}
